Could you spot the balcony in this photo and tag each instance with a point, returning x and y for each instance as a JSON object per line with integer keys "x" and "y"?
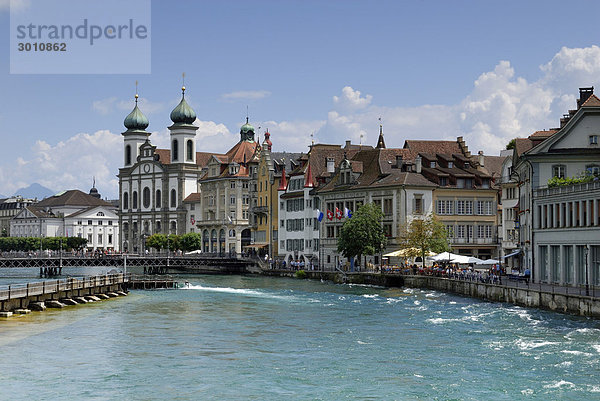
{"x": 567, "y": 189}
{"x": 259, "y": 209}
{"x": 473, "y": 241}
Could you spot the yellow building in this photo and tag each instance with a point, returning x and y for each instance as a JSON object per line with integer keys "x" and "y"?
{"x": 271, "y": 168}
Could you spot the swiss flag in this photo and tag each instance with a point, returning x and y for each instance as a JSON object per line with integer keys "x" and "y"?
{"x": 329, "y": 214}
{"x": 338, "y": 213}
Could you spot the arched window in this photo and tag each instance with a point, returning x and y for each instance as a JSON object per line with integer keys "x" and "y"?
{"x": 158, "y": 198}
{"x": 127, "y": 155}
{"x": 173, "y": 198}
{"x": 146, "y": 197}
{"x": 157, "y": 226}
{"x": 190, "y": 150}
{"x": 173, "y": 227}
{"x": 134, "y": 200}
{"x": 175, "y": 149}
{"x": 125, "y": 200}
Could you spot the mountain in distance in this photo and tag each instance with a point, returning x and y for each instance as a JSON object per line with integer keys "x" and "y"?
{"x": 35, "y": 190}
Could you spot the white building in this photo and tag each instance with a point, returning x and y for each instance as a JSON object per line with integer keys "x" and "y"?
{"x": 71, "y": 213}
{"x": 560, "y": 229}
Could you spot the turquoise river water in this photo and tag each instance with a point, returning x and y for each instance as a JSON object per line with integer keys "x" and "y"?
{"x": 257, "y": 338}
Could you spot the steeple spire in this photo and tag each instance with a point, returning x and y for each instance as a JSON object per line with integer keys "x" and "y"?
{"x": 380, "y": 141}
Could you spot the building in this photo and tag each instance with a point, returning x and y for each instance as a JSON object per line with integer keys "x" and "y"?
{"x": 153, "y": 183}
{"x": 71, "y": 213}
{"x": 222, "y": 199}
{"x": 509, "y": 232}
{"x": 298, "y": 201}
{"x": 559, "y": 224}
{"x": 385, "y": 177}
{"x": 9, "y": 208}
{"x": 264, "y": 212}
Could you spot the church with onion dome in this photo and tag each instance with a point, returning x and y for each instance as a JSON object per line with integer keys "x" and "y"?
{"x": 181, "y": 189}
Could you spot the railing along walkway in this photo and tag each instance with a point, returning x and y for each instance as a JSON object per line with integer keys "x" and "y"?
{"x": 14, "y": 291}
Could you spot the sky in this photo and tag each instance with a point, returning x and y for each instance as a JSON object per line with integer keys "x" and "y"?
{"x": 485, "y": 70}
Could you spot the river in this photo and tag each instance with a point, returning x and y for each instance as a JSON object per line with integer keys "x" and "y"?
{"x": 259, "y": 338}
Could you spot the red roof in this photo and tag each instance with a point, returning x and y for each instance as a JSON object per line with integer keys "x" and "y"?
{"x": 283, "y": 183}
{"x": 308, "y": 179}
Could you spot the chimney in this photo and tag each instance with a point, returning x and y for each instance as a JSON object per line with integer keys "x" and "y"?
{"x": 418, "y": 164}
{"x": 481, "y": 158}
{"x": 330, "y": 165}
{"x": 348, "y": 143}
{"x": 399, "y": 161}
{"x": 584, "y": 94}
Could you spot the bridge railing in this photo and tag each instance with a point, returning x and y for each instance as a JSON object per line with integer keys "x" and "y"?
{"x": 13, "y": 291}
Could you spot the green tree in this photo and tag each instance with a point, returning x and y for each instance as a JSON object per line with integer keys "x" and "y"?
{"x": 427, "y": 234}
{"x": 173, "y": 242}
{"x": 157, "y": 241}
{"x": 76, "y": 243}
{"x": 511, "y": 144}
{"x": 191, "y": 242}
{"x": 362, "y": 234}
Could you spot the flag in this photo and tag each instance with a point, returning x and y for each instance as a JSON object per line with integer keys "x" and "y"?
{"x": 319, "y": 215}
{"x": 347, "y": 213}
{"x": 329, "y": 214}
{"x": 338, "y": 213}
{"x": 192, "y": 220}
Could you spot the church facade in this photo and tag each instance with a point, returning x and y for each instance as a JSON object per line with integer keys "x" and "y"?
{"x": 180, "y": 190}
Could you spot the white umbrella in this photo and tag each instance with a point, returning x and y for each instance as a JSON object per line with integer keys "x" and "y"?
{"x": 444, "y": 257}
{"x": 488, "y": 262}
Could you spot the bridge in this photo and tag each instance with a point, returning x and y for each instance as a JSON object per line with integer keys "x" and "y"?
{"x": 158, "y": 264}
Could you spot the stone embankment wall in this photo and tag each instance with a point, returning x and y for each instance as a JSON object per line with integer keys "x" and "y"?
{"x": 566, "y": 303}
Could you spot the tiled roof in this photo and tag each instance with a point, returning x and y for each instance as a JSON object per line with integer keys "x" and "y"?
{"x": 493, "y": 164}
{"x": 415, "y": 147}
{"x": 242, "y": 152}
{"x": 592, "y": 101}
{"x": 73, "y": 197}
{"x": 522, "y": 145}
{"x": 193, "y": 197}
{"x": 544, "y": 133}
{"x": 164, "y": 155}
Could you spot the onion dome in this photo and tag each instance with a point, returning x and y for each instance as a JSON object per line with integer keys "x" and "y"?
{"x": 268, "y": 140}
{"x": 183, "y": 113}
{"x": 247, "y": 132}
{"x": 136, "y": 120}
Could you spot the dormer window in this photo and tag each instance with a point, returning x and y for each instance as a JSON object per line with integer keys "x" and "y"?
{"x": 593, "y": 139}
{"x": 450, "y": 164}
{"x": 467, "y": 164}
{"x": 432, "y": 164}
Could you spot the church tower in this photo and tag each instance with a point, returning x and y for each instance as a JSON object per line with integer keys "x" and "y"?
{"x": 183, "y": 132}
{"x": 136, "y": 124}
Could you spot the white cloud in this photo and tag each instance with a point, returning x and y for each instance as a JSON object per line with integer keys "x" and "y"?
{"x": 70, "y": 164}
{"x": 350, "y": 99}
{"x": 291, "y": 136}
{"x": 245, "y": 95}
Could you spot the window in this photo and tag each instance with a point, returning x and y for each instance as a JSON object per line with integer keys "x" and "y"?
{"x": 592, "y": 169}
{"x": 190, "y": 150}
{"x": 443, "y": 181}
{"x": 135, "y": 204}
{"x": 387, "y": 207}
{"x": 593, "y": 139}
{"x": 485, "y": 207}
{"x": 175, "y": 149}
{"x": 99, "y": 222}
{"x": 418, "y": 205}
{"x": 232, "y": 200}
{"x": 110, "y": 238}
{"x": 127, "y": 155}
{"x": 146, "y": 197}
{"x": 89, "y": 237}
{"x": 387, "y": 230}
{"x": 450, "y": 164}
{"x": 232, "y": 185}
{"x": 464, "y": 207}
{"x": 450, "y": 231}
{"x": 461, "y": 231}
{"x": 99, "y": 239}
{"x": 559, "y": 170}
{"x": 110, "y": 222}
{"x": 125, "y": 201}
{"x": 79, "y": 222}
{"x": 173, "y": 198}
{"x": 445, "y": 207}
{"x": 432, "y": 164}
{"x": 158, "y": 198}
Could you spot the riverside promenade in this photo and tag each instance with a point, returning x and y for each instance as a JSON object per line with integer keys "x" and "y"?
{"x": 583, "y": 301}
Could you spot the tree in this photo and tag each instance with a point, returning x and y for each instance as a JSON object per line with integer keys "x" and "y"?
{"x": 157, "y": 241}
{"x": 427, "y": 234}
{"x": 362, "y": 234}
{"x": 190, "y": 242}
{"x": 511, "y": 144}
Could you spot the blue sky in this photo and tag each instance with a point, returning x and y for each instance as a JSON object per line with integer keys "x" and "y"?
{"x": 486, "y": 70}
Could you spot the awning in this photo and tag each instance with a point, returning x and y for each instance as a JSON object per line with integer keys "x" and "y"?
{"x": 255, "y": 246}
{"x": 518, "y": 251}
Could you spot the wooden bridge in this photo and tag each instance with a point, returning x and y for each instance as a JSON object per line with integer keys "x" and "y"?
{"x": 209, "y": 264}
